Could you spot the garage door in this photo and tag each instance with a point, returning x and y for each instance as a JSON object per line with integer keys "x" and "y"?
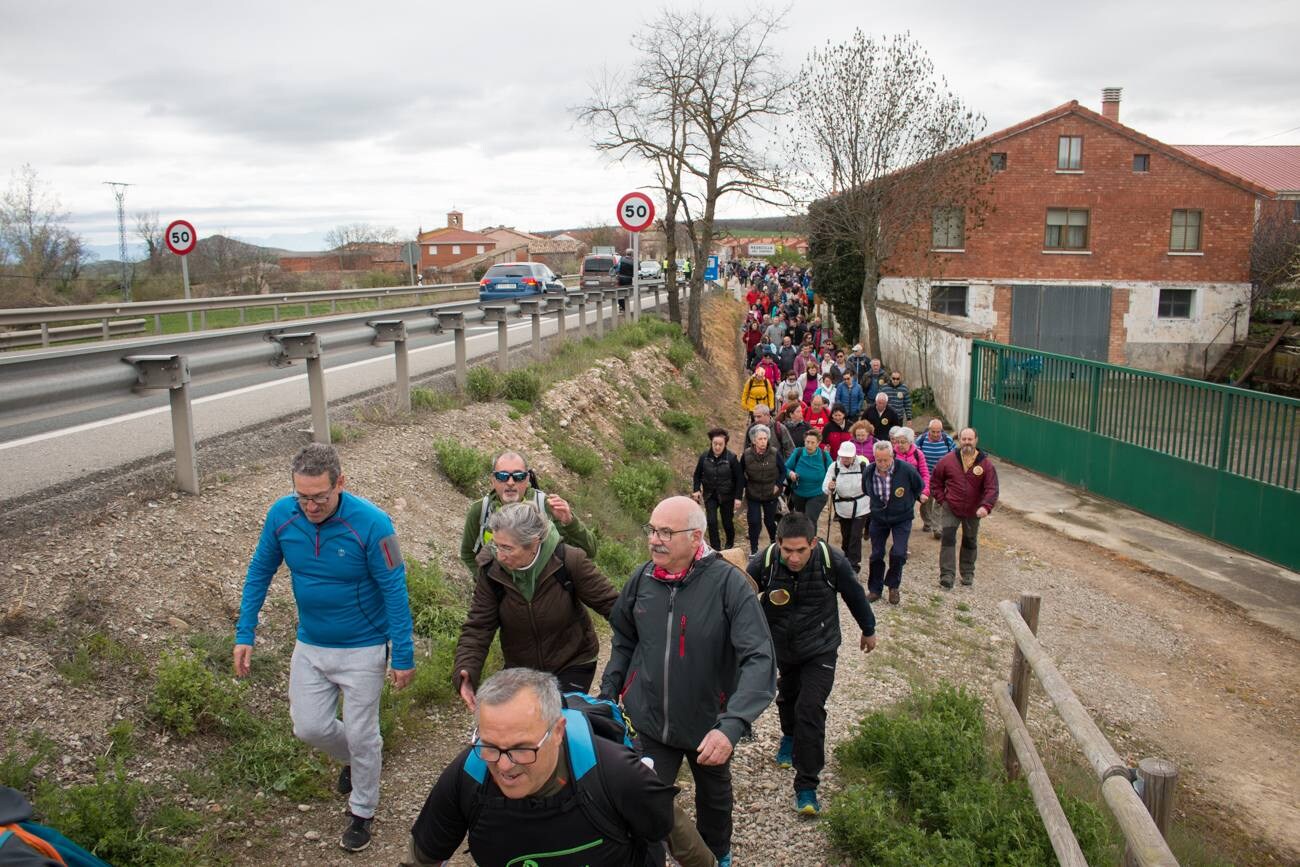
{"x": 1070, "y": 320}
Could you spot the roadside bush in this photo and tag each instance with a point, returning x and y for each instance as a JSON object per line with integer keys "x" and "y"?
{"x": 616, "y": 561}
{"x": 634, "y": 336}
{"x": 482, "y": 383}
{"x": 680, "y": 353}
{"x": 679, "y": 421}
{"x": 638, "y": 486}
{"x": 926, "y": 792}
{"x": 464, "y": 466}
{"x": 521, "y": 384}
{"x": 188, "y": 697}
{"x": 674, "y": 395}
{"x": 519, "y": 408}
{"x": 432, "y": 400}
{"x": 575, "y": 458}
{"x": 922, "y": 398}
{"x": 641, "y": 440}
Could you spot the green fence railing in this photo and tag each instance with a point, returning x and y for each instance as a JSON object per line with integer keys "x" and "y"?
{"x": 1221, "y": 461}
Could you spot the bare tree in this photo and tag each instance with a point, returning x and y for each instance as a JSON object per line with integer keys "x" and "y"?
{"x": 1274, "y": 250}
{"x": 149, "y": 228}
{"x": 882, "y": 143}
{"x": 36, "y": 249}
{"x": 693, "y": 108}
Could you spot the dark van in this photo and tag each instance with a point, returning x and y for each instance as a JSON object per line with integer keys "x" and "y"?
{"x": 600, "y": 272}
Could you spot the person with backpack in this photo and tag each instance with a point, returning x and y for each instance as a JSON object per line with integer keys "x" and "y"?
{"x": 807, "y": 468}
{"x": 24, "y": 843}
{"x": 717, "y": 485}
{"x": 849, "y": 502}
{"x": 514, "y": 482}
{"x": 534, "y": 591}
{"x": 894, "y": 487}
{"x": 763, "y": 469}
{"x": 540, "y": 784}
{"x": 800, "y": 579}
{"x": 691, "y": 660}
{"x": 757, "y": 391}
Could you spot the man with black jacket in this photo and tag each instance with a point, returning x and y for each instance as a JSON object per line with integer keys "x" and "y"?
{"x": 717, "y": 485}
{"x": 691, "y": 659}
{"x": 800, "y": 579}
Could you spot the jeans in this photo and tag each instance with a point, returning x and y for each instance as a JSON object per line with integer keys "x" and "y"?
{"x": 851, "y": 539}
{"x": 810, "y": 506}
{"x": 802, "y": 689}
{"x": 713, "y": 796}
{"x": 877, "y": 577}
{"x": 760, "y": 514}
{"x": 720, "y": 512}
{"x": 948, "y": 558}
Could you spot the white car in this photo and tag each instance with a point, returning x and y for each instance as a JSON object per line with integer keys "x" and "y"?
{"x": 650, "y": 269}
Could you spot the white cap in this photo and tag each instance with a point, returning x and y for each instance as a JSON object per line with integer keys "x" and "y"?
{"x": 857, "y": 347}
{"x": 848, "y": 450}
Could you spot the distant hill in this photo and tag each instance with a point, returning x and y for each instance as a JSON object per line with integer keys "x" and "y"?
{"x": 210, "y": 246}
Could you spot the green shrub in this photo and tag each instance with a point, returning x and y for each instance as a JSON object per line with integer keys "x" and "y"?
{"x": 431, "y": 400}
{"x": 464, "y": 466}
{"x": 265, "y": 756}
{"x": 575, "y": 458}
{"x": 522, "y": 384}
{"x": 633, "y": 336}
{"x": 482, "y": 383}
{"x": 188, "y": 697}
{"x": 92, "y": 651}
{"x": 641, "y": 440}
{"x": 622, "y": 353}
{"x": 694, "y": 379}
{"x": 679, "y": 421}
{"x": 638, "y": 486}
{"x": 616, "y": 561}
{"x": 16, "y": 770}
{"x": 437, "y": 607}
{"x": 674, "y": 395}
{"x": 923, "y": 398}
{"x": 519, "y": 408}
{"x": 680, "y": 353}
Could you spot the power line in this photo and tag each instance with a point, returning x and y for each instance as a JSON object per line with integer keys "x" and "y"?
{"x": 119, "y": 192}
{"x": 1247, "y": 144}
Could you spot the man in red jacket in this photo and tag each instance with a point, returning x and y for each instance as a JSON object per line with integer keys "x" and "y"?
{"x": 965, "y": 484}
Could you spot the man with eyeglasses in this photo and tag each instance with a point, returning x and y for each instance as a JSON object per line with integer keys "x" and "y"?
{"x": 521, "y": 794}
{"x": 691, "y": 659}
{"x": 801, "y": 579}
{"x": 513, "y": 482}
{"x": 349, "y": 583}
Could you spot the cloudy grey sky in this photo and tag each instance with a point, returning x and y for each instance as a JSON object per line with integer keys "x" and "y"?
{"x": 274, "y": 121}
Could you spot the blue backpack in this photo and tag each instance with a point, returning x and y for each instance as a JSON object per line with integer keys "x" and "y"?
{"x": 25, "y": 842}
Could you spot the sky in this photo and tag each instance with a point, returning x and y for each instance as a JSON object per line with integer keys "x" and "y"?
{"x": 276, "y": 121}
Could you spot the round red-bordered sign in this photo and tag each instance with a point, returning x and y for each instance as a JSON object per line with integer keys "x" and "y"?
{"x": 635, "y": 212}
{"x": 180, "y": 237}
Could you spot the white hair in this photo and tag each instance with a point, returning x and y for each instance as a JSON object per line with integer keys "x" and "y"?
{"x": 903, "y": 431}
{"x": 883, "y": 446}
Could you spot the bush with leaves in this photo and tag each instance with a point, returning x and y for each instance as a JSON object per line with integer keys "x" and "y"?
{"x": 464, "y": 466}
{"x": 639, "y": 485}
{"x": 680, "y": 353}
{"x": 641, "y": 440}
{"x": 482, "y": 383}
{"x": 188, "y": 697}
{"x": 576, "y": 458}
{"x": 682, "y": 422}
{"x": 521, "y": 384}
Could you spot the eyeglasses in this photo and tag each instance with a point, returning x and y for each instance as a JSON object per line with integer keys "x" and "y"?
{"x": 663, "y": 533}
{"x": 517, "y": 755}
{"x": 507, "y": 475}
{"x": 318, "y": 499}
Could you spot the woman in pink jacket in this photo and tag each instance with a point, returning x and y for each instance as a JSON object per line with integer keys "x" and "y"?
{"x": 904, "y": 440}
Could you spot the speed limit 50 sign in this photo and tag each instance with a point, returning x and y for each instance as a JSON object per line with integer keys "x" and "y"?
{"x": 180, "y": 237}
{"x": 636, "y": 212}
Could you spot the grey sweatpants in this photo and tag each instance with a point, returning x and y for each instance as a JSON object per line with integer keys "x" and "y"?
{"x": 316, "y": 677}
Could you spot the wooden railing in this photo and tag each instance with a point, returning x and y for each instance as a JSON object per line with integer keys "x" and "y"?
{"x": 1140, "y": 799}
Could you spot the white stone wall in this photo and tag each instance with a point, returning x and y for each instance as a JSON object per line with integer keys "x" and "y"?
{"x": 979, "y": 298}
{"x": 949, "y": 362}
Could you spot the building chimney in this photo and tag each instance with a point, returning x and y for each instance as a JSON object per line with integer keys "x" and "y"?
{"x": 1110, "y": 102}
{"x": 455, "y": 220}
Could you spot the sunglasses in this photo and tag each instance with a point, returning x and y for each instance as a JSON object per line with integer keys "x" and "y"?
{"x": 507, "y": 475}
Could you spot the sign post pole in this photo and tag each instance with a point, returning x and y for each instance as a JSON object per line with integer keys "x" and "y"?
{"x": 185, "y": 278}
{"x": 636, "y": 213}
{"x": 181, "y": 239}
{"x": 636, "y": 276}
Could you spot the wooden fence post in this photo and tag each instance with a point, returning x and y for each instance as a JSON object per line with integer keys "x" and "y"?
{"x": 1029, "y": 606}
{"x": 1159, "y": 778}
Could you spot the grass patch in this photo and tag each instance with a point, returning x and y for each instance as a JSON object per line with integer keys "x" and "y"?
{"x": 674, "y": 395}
{"x": 189, "y": 698}
{"x": 464, "y": 466}
{"x": 644, "y": 439}
{"x": 432, "y": 400}
{"x": 579, "y": 459}
{"x": 482, "y": 383}
{"x": 925, "y": 791}
{"x": 345, "y": 433}
{"x": 519, "y": 408}
{"x": 92, "y": 653}
{"x": 265, "y": 756}
{"x": 682, "y": 422}
{"x": 680, "y": 353}
{"x": 616, "y": 560}
{"x": 638, "y": 486}
{"x": 963, "y": 606}
{"x": 521, "y": 384}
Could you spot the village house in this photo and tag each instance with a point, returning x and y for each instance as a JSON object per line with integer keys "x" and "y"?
{"x": 451, "y": 244}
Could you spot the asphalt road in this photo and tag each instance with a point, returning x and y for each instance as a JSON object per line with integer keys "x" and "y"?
{"x": 43, "y": 449}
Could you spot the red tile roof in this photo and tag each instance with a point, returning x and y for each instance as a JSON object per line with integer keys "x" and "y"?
{"x": 448, "y": 235}
{"x": 1274, "y": 166}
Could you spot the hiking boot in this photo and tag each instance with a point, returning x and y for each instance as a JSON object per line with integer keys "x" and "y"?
{"x": 873, "y": 596}
{"x": 357, "y": 835}
{"x": 893, "y": 595}
{"x": 725, "y": 860}
{"x": 785, "y": 752}
{"x": 937, "y": 534}
{"x": 946, "y": 585}
{"x": 805, "y": 802}
{"x": 345, "y": 780}
{"x": 967, "y": 580}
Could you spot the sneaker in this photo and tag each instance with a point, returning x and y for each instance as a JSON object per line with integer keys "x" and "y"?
{"x": 785, "y": 752}
{"x": 345, "y": 780}
{"x": 725, "y": 860}
{"x": 805, "y": 802}
{"x": 357, "y": 835}
{"x": 893, "y": 595}
{"x": 967, "y": 580}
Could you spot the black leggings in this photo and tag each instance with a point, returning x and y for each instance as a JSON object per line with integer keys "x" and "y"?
{"x": 760, "y": 514}
{"x": 720, "y": 511}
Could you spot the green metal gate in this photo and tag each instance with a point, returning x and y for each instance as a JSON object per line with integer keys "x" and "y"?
{"x": 1223, "y": 462}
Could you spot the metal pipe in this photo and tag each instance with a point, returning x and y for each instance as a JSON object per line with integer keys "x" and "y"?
{"x": 403, "y": 376}
{"x": 182, "y": 413}
{"x": 320, "y": 413}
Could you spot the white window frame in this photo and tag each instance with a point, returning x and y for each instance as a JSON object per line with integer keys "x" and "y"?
{"x": 966, "y": 307}
{"x": 433, "y": 249}
{"x": 1193, "y": 304}
{"x": 455, "y": 249}
{"x": 478, "y": 250}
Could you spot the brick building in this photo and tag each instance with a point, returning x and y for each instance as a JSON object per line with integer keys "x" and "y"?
{"x": 357, "y": 256}
{"x": 444, "y": 247}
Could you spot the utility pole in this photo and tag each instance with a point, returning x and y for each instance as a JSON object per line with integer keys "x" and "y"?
{"x": 119, "y": 193}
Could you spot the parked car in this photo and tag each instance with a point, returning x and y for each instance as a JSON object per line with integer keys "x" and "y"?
{"x": 600, "y": 272}
{"x": 509, "y": 281}
{"x": 651, "y": 270}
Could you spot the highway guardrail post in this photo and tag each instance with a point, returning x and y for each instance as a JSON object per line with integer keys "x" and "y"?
{"x": 533, "y": 308}
{"x": 172, "y": 372}
{"x": 560, "y": 307}
{"x": 598, "y": 298}
{"x": 497, "y": 313}
{"x": 582, "y": 316}
{"x": 306, "y": 345}
{"x": 394, "y": 331}
{"x": 657, "y": 297}
{"x": 611, "y": 295}
{"x": 455, "y": 320}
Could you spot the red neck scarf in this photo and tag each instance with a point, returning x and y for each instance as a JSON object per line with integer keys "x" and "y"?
{"x": 663, "y": 574}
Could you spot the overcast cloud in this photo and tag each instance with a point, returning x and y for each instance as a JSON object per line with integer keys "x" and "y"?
{"x": 275, "y": 121}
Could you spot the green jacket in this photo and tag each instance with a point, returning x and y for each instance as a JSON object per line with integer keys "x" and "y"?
{"x": 471, "y": 539}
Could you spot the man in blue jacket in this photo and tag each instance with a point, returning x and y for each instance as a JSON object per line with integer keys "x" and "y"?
{"x": 894, "y": 488}
{"x": 848, "y": 394}
{"x": 349, "y": 582}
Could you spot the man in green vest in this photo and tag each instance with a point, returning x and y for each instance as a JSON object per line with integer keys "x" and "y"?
{"x": 513, "y": 482}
